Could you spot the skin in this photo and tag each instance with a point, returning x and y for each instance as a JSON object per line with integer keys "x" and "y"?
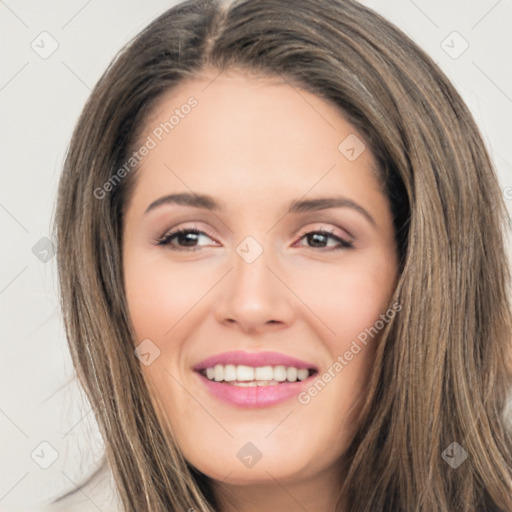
{"x": 255, "y": 145}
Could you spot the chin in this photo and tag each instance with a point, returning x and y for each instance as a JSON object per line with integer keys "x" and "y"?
{"x": 268, "y": 469}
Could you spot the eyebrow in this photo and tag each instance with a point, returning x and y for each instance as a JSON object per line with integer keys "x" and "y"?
{"x": 186, "y": 199}
{"x": 300, "y": 206}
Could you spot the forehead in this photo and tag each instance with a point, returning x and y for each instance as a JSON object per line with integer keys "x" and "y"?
{"x": 225, "y": 132}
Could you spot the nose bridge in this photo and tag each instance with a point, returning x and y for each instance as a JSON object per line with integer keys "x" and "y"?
{"x": 253, "y": 297}
{"x": 250, "y": 280}
{"x": 250, "y": 268}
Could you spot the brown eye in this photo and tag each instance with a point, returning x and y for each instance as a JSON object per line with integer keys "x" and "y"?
{"x": 182, "y": 239}
{"x": 320, "y": 240}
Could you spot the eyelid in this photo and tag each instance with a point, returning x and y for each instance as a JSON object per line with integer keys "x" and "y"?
{"x": 346, "y": 239}
{"x": 176, "y": 229}
{"x": 343, "y": 234}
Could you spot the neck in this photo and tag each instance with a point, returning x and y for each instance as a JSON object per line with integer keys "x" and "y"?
{"x": 318, "y": 493}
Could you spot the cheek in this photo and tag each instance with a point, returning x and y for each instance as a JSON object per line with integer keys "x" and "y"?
{"x": 347, "y": 298}
{"x": 351, "y": 301}
{"x": 160, "y": 293}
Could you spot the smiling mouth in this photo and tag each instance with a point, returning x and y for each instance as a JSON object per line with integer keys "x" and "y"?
{"x": 248, "y": 376}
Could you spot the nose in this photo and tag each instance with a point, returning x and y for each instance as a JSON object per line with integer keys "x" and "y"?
{"x": 254, "y": 298}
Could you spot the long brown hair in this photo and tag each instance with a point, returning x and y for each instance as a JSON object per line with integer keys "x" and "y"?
{"x": 442, "y": 371}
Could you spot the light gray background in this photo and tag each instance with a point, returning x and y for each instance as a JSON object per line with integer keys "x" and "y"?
{"x": 40, "y": 100}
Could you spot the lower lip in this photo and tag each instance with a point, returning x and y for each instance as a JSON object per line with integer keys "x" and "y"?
{"x": 255, "y": 396}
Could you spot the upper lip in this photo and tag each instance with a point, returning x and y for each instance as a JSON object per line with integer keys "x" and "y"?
{"x": 254, "y": 359}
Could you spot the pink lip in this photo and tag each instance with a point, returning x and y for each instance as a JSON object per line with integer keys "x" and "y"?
{"x": 254, "y": 359}
{"x": 257, "y": 396}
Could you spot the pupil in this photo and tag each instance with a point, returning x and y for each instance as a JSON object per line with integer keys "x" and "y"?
{"x": 187, "y": 238}
{"x": 318, "y": 239}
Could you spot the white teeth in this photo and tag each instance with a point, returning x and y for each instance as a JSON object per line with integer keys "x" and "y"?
{"x": 302, "y": 374}
{"x": 254, "y": 383}
{"x": 291, "y": 374}
{"x": 244, "y": 372}
{"x": 264, "y": 373}
{"x": 229, "y": 372}
{"x": 219, "y": 372}
{"x": 280, "y": 373}
{"x": 242, "y": 375}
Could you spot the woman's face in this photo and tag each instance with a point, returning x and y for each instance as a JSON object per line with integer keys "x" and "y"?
{"x": 289, "y": 275}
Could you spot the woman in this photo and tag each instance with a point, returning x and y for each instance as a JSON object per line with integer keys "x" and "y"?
{"x": 282, "y": 268}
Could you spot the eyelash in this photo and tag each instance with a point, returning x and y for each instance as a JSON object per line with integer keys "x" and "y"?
{"x": 165, "y": 241}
